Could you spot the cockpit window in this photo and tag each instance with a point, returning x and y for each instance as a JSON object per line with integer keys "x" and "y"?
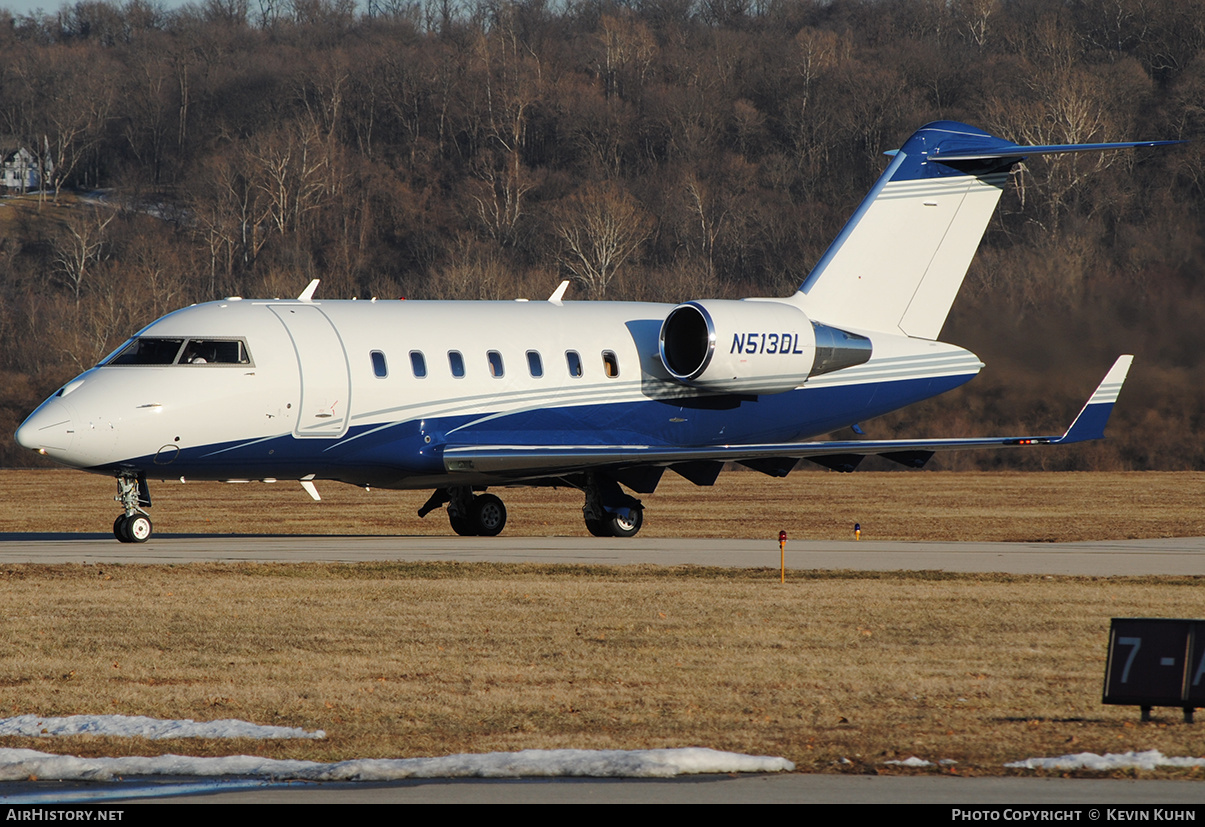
{"x": 149, "y": 350}
{"x": 214, "y": 352}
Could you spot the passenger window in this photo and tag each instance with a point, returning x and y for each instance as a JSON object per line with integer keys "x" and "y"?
{"x": 535, "y": 364}
{"x": 495, "y": 360}
{"x": 378, "y": 364}
{"x": 610, "y": 364}
{"x": 575, "y": 363}
{"x": 418, "y": 363}
{"x": 456, "y": 363}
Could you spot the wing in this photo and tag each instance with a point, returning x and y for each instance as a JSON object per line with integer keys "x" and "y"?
{"x": 534, "y": 461}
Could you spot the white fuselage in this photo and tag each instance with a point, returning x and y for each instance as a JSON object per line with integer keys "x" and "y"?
{"x": 372, "y": 392}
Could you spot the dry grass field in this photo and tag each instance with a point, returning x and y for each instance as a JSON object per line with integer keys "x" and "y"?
{"x": 839, "y": 672}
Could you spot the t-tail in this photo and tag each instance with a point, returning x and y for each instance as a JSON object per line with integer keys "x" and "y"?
{"x": 897, "y": 265}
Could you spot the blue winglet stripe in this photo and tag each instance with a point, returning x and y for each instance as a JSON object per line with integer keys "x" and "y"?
{"x": 1090, "y": 424}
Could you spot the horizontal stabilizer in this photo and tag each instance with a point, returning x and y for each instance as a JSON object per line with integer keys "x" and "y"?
{"x": 519, "y": 462}
{"x": 1015, "y": 152}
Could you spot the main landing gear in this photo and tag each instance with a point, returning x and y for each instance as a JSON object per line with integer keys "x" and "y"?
{"x": 608, "y": 511}
{"x": 133, "y": 525}
{"x": 471, "y": 515}
{"x": 614, "y": 525}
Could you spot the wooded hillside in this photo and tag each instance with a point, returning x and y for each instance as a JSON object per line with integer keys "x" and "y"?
{"x": 657, "y": 150}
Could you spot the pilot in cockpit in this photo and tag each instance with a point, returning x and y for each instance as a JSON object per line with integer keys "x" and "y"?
{"x": 192, "y": 354}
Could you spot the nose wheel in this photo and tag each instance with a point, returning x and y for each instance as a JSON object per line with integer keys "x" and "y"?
{"x": 133, "y": 525}
{"x": 136, "y": 528}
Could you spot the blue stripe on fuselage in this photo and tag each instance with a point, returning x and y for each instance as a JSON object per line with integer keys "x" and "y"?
{"x": 399, "y": 455}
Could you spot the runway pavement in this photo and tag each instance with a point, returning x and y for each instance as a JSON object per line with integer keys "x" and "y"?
{"x": 1174, "y": 556}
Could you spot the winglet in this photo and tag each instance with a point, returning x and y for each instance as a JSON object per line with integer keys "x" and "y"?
{"x": 559, "y": 293}
{"x": 1090, "y": 424}
{"x": 307, "y": 295}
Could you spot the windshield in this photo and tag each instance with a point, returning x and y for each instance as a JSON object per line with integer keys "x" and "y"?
{"x": 149, "y": 350}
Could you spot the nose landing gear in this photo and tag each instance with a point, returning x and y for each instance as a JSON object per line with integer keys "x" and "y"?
{"x": 133, "y": 525}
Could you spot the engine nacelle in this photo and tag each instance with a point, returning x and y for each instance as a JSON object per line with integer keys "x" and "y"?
{"x": 753, "y": 346}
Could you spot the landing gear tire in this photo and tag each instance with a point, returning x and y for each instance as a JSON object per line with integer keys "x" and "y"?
{"x": 139, "y": 528}
{"x": 613, "y": 525}
{"x": 487, "y": 515}
{"x": 605, "y": 501}
{"x": 462, "y": 526}
{"x": 626, "y": 526}
{"x": 136, "y": 528}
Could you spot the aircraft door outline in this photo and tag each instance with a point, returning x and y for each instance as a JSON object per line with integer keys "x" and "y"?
{"x": 325, "y": 405}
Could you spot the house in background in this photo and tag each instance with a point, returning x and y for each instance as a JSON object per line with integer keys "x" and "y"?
{"x": 22, "y": 171}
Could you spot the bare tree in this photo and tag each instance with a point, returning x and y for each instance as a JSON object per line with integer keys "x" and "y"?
{"x": 293, "y": 171}
{"x": 626, "y": 49}
{"x": 975, "y": 18}
{"x": 82, "y": 245}
{"x": 512, "y": 78}
{"x": 600, "y": 229}
{"x": 229, "y": 213}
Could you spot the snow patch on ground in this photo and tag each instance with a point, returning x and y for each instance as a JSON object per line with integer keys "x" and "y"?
{"x": 20, "y": 764}
{"x": 1149, "y": 760}
{"x": 911, "y": 762}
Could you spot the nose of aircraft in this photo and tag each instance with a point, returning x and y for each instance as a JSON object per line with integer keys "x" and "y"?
{"x": 48, "y": 429}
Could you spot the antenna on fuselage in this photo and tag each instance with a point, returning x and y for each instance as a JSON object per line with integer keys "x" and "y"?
{"x": 307, "y": 295}
{"x": 559, "y": 293}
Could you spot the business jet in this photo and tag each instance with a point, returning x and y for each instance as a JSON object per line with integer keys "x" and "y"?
{"x": 459, "y": 397}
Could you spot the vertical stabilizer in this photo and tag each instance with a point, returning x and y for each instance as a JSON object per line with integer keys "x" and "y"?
{"x": 897, "y": 265}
